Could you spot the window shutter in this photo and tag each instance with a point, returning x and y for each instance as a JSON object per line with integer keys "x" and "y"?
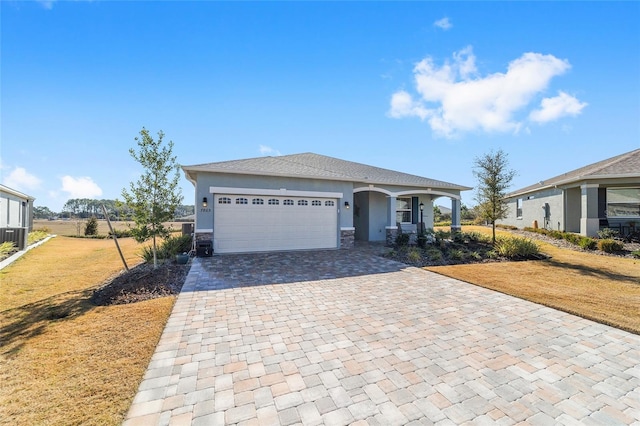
{"x": 415, "y": 210}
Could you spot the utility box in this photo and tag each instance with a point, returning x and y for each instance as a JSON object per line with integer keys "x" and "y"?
{"x": 204, "y": 248}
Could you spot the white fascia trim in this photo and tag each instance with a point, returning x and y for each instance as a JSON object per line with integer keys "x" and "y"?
{"x": 347, "y": 228}
{"x": 589, "y": 185}
{"x": 203, "y": 230}
{"x": 283, "y": 192}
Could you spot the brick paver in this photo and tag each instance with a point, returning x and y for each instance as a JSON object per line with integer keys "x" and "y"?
{"x": 347, "y": 337}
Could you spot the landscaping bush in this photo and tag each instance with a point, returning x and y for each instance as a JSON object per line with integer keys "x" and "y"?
{"x": 402, "y": 240}
{"x": 6, "y": 249}
{"x": 36, "y": 236}
{"x": 414, "y": 255}
{"x": 121, "y": 233}
{"x": 509, "y": 227}
{"x": 476, "y": 237}
{"x": 91, "y": 227}
{"x": 636, "y": 254}
{"x": 455, "y": 254}
{"x": 587, "y": 243}
{"x": 608, "y": 234}
{"x": 609, "y": 245}
{"x": 516, "y": 248}
{"x": 168, "y": 248}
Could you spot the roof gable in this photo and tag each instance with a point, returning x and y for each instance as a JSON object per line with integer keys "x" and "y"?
{"x": 315, "y": 166}
{"x": 627, "y": 164}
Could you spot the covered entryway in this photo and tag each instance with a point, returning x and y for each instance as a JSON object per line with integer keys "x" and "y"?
{"x": 254, "y": 222}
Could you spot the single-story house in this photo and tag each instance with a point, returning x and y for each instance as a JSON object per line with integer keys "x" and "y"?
{"x": 16, "y": 216}
{"x": 309, "y": 201}
{"x": 605, "y": 194}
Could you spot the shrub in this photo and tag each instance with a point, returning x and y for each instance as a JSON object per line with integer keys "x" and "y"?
{"x": 455, "y": 254}
{"x": 414, "y": 255}
{"x": 476, "y": 236}
{"x": 402, "y": 240}
{"x": 36, "y": 236}
{"x": 44, "y": 229}
{"x": 121, "y": 233}
{"x": 636, "y": 254}
{"x": 509, "y": 227}
{"x": 434, "y": 255}
{"x": 6, "y": 248}
{"x": 516, "y": 248}
{"x": 91, "y": 227}
{"x": 609, "y": 246}
{"x": 587, "y": 243}
{"x": 167, "y": 248}
{"x": 608, "y": 233}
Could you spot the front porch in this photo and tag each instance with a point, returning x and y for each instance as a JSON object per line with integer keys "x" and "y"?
{"x": 380, "y": 214}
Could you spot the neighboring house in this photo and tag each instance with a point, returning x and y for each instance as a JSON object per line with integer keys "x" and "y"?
{"x": 308, "y": 201}
{"x": 605, "y": 194}
{"x": 16, "y": 216}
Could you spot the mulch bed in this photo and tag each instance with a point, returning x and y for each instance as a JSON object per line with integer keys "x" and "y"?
{"x": 142, "y": 283}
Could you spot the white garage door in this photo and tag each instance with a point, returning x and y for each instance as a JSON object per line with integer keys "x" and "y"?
{"x": 245, "y": 223}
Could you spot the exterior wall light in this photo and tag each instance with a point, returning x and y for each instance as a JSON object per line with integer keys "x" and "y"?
{"x": 421, "y": 206}
{"x": 346, "y": 204}
{"x": 204, "y": 202}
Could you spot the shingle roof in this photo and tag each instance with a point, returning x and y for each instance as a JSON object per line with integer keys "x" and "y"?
{"x": 315, "y": 166}
{"x": 624, "y": 165}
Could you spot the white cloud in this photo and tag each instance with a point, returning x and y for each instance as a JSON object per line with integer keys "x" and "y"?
{"x": 19, "y": 179}
{"x": 454, "y": 99}
{"x": 443, "y": 23}
{"x": 82, "y": 187}
{"x": 554, "y": 108}
{"x": 267, "y": 150}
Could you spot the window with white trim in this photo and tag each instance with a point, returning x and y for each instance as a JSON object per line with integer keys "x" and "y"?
{"x": 329, "y": 203}
{"x": 224, "y": 200}
{"x": 303, "y": 203}
{"x": 316, "y": 203}
{"x": 519, "y": 208}
{"x": 287, "y": 202}
{"x": 242, "y": 201}
{"x": 274, "y": 201}
{"x": 257, "y": 201}
{"x": 403, "y": 210}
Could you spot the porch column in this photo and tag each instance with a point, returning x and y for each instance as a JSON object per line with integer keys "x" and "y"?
{"x": 589, "y": 220}
{"x": 455, "y": 215}
{"x": 391, "y": 228}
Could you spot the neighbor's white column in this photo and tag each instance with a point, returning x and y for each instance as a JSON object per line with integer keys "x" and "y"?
{"x": 589, "y": 220}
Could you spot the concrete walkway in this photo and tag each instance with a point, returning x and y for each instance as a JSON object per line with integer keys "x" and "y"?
{"x": 345, "y": 337}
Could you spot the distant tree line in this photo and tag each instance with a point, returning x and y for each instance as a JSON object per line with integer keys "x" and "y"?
{"x": 84, "y": 208}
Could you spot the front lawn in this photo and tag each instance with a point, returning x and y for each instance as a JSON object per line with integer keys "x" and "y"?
{"x": 64, "y": 360}
{"x": 601, "y": 288}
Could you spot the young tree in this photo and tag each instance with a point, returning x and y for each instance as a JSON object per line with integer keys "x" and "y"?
{"x": 156, "y": 195}
{"x": 91, "y": 227}
{"x": 494, "y": 177}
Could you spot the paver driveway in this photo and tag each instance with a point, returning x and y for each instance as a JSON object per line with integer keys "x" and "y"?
{"x": 340, "y": 337}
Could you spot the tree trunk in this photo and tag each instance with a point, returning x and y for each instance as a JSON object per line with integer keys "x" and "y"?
{"x": 155, "y": 257}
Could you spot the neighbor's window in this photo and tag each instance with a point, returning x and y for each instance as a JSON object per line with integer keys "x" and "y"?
{"x": 519, "y": 207}
{"x": 403, "y": 210}
{"x": 623, "y": 202}
{"x": 224, "y": 200}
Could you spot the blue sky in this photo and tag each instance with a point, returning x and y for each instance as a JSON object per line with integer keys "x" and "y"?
{"x": 419, "y": 87}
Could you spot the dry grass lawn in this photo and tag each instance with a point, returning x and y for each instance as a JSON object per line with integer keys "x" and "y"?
{"x": 63, "y": 360}
{"x": 75, "y": 227}
{"x": 601, "y": 288}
